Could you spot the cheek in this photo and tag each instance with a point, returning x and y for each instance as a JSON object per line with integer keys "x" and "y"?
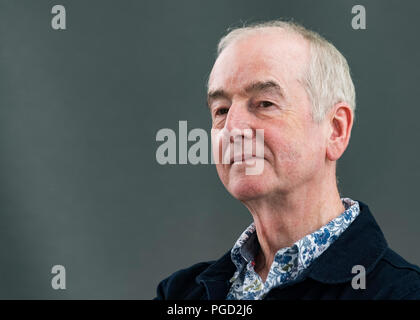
{"x": 294, "y": 152}
{"x": 286, "y": 152}
{"x": 285, "y": 147}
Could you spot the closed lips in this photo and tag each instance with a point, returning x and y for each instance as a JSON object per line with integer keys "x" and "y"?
{"x": 244, "y": 158}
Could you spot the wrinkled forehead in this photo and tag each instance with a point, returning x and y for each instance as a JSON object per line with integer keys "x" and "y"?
{"x": 278, "y": 54}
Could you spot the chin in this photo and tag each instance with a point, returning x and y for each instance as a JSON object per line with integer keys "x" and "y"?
{"x": 241, "y": 185}
{"x": 247, "y": 188}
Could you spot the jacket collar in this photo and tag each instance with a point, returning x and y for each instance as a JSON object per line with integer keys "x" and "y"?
{"x": 362, "y": 243}
{"x": 216, "y": 277}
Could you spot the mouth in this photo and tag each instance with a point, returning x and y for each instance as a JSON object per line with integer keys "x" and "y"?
{"x": 248, "y": 159}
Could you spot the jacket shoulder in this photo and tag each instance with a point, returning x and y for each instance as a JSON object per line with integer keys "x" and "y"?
{"x": 182, "y": 284}
{"x": 398, "y": 262}
{"x": 401, "y": 278}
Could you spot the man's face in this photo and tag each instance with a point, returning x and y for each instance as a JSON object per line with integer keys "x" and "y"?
{"x": 254, "y": 85}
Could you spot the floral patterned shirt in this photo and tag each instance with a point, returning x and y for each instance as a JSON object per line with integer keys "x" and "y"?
{"x": 288, "y": 262}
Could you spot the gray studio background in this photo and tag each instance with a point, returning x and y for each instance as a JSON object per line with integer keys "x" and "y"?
{"x": 79, "y": 113}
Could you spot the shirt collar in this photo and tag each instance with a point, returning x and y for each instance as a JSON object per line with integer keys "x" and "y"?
{"x": 307, "y": 248}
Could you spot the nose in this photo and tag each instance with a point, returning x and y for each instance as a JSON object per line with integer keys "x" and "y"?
{"x": 238, "y": 121}
{"x": 237, "y": 135}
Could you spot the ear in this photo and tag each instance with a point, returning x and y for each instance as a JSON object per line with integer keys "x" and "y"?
{"x": 340, "y": 122}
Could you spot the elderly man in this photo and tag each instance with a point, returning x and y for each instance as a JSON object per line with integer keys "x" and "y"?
{"x": 305, "y": 242}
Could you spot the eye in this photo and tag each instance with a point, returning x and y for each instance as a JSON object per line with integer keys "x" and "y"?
{"x": 265, "y": 104}
{"x": 221, "y": 111}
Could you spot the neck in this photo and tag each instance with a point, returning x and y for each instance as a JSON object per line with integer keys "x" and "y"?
{"x": 284, "y": 218}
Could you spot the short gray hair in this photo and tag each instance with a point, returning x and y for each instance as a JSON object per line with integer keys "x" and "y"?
{"x": 327, "y": 79}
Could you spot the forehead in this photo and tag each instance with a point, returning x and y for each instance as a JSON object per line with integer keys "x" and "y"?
{"x": 269, "y": 54}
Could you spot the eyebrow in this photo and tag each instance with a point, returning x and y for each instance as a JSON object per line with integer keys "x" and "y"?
{"x": 264, "y": 85}
{"x": 253, "y": 87}
{"x": 216, "y": 94}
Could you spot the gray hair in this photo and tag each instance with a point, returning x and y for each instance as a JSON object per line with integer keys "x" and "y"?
{"x": 327, "y": 79}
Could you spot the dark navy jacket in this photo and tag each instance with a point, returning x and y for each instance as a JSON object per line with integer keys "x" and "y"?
{"x": 388, "y": 275}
